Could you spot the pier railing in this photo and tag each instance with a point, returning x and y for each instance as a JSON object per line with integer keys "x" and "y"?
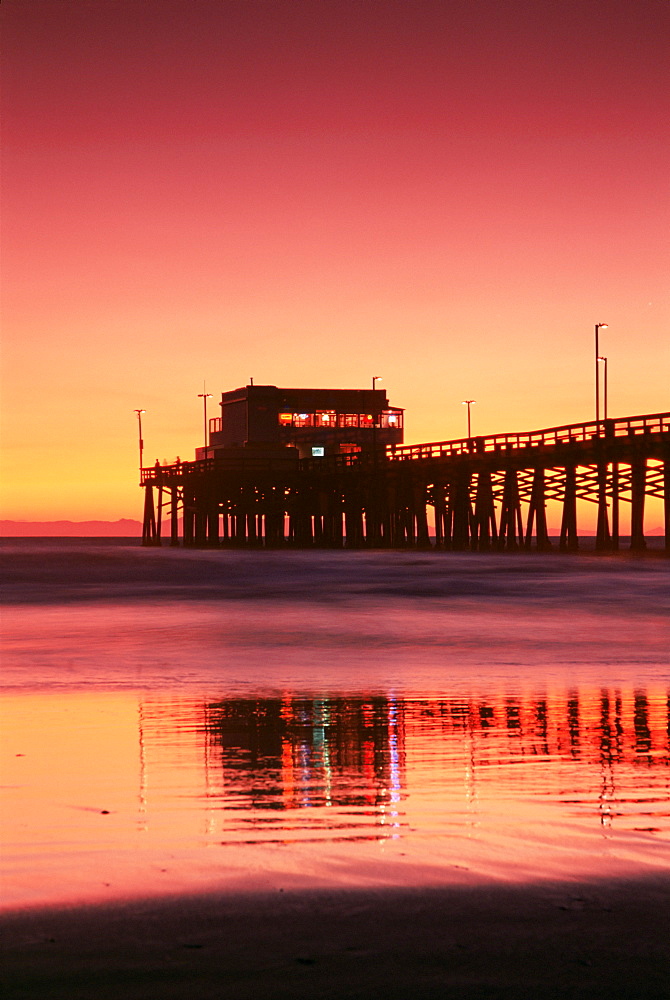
{"x": 478, "y": 493}
{"x": 551, "y": 438}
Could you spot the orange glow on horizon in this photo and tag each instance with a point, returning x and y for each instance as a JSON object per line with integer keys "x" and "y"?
{"x": 451, "y": 194}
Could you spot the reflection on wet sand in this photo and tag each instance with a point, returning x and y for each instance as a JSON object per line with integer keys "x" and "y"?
{"x": 110, "y": 794}
{"x": 294, "y": 769}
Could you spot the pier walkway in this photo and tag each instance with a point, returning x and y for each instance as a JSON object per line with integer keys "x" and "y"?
{"x": 483, "y": 493}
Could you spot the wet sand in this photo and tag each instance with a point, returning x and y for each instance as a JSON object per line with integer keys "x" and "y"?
{"x": 548, "y": 940}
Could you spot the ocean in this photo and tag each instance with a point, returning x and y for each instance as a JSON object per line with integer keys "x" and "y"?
{"x": 191, "y": 720}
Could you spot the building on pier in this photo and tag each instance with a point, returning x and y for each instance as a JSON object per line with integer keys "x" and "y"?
{"x": 319, "y": 467}
{"x": 318, "y": 423}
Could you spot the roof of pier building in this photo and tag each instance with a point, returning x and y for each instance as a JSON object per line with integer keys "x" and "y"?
{"x": 317, "y": 422}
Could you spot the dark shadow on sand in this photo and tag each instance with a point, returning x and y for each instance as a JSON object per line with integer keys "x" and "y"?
{"x": 513, "y": 942}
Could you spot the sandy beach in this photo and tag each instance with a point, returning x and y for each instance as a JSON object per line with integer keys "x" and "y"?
{"x": 382, "y": 776}
{"x": 546, "y": 940}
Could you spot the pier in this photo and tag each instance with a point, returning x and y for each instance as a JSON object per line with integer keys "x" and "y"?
{"x": 479, "y": 493}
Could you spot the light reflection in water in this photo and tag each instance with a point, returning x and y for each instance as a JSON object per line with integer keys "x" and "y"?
{"x": 109, "y": 794}
{"x": 296, "y": 767}
{"x": 292, "y": 768}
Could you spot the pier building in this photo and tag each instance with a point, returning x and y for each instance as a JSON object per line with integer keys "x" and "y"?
{"x": 328, "y": 467}
{"x": 316, "y": 422}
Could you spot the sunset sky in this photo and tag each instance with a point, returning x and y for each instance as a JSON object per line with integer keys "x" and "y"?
{"x": 447, "y": 193}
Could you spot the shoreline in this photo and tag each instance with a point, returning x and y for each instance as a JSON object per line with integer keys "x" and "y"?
{"x": 596, "y": 939}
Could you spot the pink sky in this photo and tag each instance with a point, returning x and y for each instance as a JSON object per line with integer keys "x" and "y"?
{"x": 449, "y": 194}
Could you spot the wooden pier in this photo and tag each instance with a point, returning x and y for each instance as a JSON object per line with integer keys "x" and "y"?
{"x": 481, "y": 493}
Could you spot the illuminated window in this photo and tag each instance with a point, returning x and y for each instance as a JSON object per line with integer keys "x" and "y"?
{"x": 286, "y": 418}
{"x": 348, "y": 420}
{"x": 326, "y": 418}
{"x": 318, "y": 451}
{"x": 303, "y": 419}
{"x": 392, "y": 419}
{"x": 367, "y": 420}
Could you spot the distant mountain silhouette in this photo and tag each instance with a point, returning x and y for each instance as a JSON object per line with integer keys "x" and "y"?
{"x": 124, "y": 528}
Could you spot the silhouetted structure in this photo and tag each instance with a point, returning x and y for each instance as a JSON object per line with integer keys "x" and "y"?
{"x": 326, "y": 468}
{"x": 317, "y": 422}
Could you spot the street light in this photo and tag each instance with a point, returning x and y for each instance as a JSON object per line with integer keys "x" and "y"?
{"x": 599, "y": 327}
{"x": 376, "y": 378}
{"x": 468, "y": 403}
{"x": 204, "y": 396}
{"x": 604, "y": 361}
{"x": 139, "y": 428}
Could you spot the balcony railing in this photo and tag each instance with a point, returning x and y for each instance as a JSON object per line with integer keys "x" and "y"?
{"x": 550, "y": 438}
{"x": 555, "y": 438}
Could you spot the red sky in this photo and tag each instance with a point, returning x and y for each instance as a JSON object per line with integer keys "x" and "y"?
{"x": 449, "y": 194}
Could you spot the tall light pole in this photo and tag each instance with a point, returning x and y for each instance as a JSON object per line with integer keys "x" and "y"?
{"x": 139, "y": 428}
{"x": 204, "y": 396}
{"x": 468, "y": 403}
{"x": 604, "y": 361}
{"x": 376, "y": 378}
{"x": 599, "y": 327}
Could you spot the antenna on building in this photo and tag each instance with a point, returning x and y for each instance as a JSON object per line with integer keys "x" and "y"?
{"x": 251, "y": 381}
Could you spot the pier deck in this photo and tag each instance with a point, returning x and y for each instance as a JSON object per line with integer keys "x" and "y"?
{"x": 484, "y": 493}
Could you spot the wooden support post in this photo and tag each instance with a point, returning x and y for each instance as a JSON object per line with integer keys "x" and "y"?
{"x": 410, "y": 524}
{"x": 440, "y": 515}
{"x": 462, "y": 512}
{"x": 602, "y": 528}
{"x": 422, "y": 536}
{"x": 174, "y": 515}
{"x": 373, "y": 511}
{"x": 537, "y": 512}
{"x": 666, "y": 497}
{"x": 325, "y": 521}
{"x": 274, "y": 527}
{"x": 614, "y": 493}
{"x": 484, "y": 522}
{"x": 159, "y": 516}
{"x": 638, "y": 475}
{"x": 188, "y": 514}
{"x": 511, "y": 527}
{"x": 149, "y": 520}
{"x": 354, "y": 526}
{"x": 252, "y": 534}
{"x": 213, "y": 524}
{"x": 338, "y": 523}
{"x": 200, "y": 524}
{"x": 569, "y": 540}
{"x": 448, "y": 541}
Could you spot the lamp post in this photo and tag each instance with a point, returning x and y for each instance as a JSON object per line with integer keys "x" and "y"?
{"x": 139, "y": 428}
{"x": 376, "y": 378}
{"x": 468, "y": 403}
{"x": 599, "y": 327}
{"x": 204, "y": 396}
{"x": 604, "y": 361}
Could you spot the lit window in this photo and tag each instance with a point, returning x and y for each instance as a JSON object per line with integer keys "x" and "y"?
{"x": 285, "y": 418}
{"x": 303, "y": 419}
{"x": 318, "y": 451}
{"x": 326, "y": 418}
